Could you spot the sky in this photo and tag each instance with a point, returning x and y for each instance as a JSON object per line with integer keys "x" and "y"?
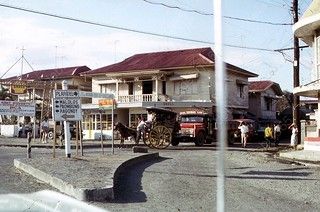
{"x": 50, "y": 42}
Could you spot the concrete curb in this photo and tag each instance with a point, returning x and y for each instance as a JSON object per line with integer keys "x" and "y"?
{"x": 85, "y": 194}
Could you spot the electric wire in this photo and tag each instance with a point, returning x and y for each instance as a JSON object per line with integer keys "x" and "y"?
{"x": 127, "y": 29}
{"x": 211, "y": 14}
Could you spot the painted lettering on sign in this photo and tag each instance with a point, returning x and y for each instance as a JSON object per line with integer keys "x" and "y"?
{"x": 66, "y": 93}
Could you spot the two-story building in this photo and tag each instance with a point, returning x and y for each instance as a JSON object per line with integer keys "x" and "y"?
{"x": 263, "y": 96}
{"x": 308, "y": 30}
{"x": 179, "y": 80}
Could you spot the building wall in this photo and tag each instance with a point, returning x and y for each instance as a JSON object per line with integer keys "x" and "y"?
{"x": 259, "y": 104}
{"x": 255, "y": 104}
{"x": 235, "y": 99}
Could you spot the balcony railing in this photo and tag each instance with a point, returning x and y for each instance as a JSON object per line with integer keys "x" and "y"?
{"x": 140, "y": 98}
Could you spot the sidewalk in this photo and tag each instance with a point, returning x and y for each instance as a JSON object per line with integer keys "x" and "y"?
{"x": 302, "y": 156}
{"x": 88, "y": 178}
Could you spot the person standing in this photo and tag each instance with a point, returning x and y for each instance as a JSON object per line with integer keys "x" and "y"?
{"x": 294, "y": 135}
{"x": 277, "y": 134}
{"x": 44, "y": 129}
{"x": 244, "y": 129}
{"x": 268, "y": 135}
{"x": 140, "y": 129}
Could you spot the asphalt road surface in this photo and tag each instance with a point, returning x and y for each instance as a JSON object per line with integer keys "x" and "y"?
{"x": 185, "y": 180}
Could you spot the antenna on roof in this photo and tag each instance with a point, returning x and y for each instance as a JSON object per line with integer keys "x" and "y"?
{"x": 22, "y": 58}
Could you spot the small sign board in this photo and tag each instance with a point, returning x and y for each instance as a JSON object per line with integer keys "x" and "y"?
{"x": 18, "y": 89}
{"x": 65, "y": 93}
{"x": 96, "y": 95}
{"x": 107, "y": 104}
{"x": 67, "y": 109}
{"x": 17, "y": 108}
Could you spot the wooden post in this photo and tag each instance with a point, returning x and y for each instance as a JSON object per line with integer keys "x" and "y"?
{"x": 29, "y": 145}
{"x": 54, "y": 132}
{"x": 80, "y": 129}
{"x": 77, "y": 137}
{"x": 101, "y": 132}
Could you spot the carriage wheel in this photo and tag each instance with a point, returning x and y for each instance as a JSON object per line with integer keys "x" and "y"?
{"x": 160, "y": 137}
{"x": 147, "y": 141}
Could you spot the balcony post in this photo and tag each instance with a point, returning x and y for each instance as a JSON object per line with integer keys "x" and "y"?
{"x": 157, "y": 93}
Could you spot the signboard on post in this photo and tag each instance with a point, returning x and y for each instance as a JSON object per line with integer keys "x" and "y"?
{"x": 105, "y": 104}
{"x": 17, "y": 108}
{"x": 66, "y": 105}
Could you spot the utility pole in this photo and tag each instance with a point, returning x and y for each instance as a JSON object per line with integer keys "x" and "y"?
{"x": 296, "y": 65}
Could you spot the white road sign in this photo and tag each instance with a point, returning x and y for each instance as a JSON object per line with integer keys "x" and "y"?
{"x": 67, "y": 109}
{"x": 17, "y": 108}
{"x": 65, "y": 93}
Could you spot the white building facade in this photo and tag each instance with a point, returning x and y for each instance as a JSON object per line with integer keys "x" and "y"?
{"x": 308, "y": 30}
{"x": 177, "y": 80}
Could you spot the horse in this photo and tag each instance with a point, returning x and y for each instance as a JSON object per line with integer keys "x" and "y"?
{"x": 125, "y": 132}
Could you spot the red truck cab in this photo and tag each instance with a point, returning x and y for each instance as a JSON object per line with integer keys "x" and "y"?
{"x": 197, "y": 127}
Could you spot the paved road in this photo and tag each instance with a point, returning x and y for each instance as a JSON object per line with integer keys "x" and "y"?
{"x": 185, "y": 180}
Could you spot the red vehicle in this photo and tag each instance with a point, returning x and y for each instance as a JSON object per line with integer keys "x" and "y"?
{"x": 197, "y": 127}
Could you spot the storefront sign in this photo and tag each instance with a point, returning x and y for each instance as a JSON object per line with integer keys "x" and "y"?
{"x": 17, "y": 108}
{"x": 107, "y": 104}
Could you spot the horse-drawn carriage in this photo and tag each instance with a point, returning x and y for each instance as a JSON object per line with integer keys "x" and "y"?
{"x": 159, "y": 133}
{"x": 163, "y": 129}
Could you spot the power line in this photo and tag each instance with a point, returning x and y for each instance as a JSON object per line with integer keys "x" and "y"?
{"x": 104, "y": 25}
{"x": 211, "y": 14}
{"x": 127, "y": 29}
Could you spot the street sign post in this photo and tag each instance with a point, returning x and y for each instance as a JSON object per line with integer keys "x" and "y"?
{"x": 67, "y": 109}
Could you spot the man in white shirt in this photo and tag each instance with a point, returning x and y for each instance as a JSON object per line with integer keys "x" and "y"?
{"x": 244, "y": 129}
{"x": 277, "y": 133}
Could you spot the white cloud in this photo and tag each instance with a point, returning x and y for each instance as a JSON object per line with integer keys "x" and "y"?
{"x": 48, "y": 47}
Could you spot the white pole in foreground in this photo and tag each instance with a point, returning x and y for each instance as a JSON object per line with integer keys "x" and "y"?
{"x": 221, "y": 94}
{"x": 66, "y": 127}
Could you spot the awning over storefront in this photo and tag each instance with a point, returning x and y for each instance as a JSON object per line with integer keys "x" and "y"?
{"x": 184, "y": 77}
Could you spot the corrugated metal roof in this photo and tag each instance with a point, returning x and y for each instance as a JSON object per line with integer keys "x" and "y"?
{"x": 260, "y": 86}
{"x": 168, "y": 60}
{"x": 56, "y": 73}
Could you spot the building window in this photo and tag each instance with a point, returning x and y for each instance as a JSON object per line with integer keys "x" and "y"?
{"x": 240, "y": 88}
{"x": 108, "y": 88}
{"x": 93, "y": 122}
{"x": 268, "y": 103}
{"x": 185, "y": 87}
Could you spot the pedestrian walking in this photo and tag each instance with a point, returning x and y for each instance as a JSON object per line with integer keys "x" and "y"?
{"x": 44, "y": 130}
{"x": 277, "y": 134}
{"x": 294, "y": 135}
{"x": 268, "y": 135}
{"x": 244, "y": 129}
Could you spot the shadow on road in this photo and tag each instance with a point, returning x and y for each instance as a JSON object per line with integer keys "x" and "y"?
{"x": 128, "y": 188}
